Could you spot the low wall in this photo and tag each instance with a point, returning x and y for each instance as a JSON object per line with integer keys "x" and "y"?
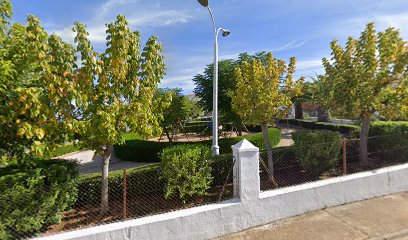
{"x": 253, "y": 208}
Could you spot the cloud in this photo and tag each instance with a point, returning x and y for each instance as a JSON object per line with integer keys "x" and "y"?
{"x": 109, "y": 5}
{"x": 356, "y": 25}
{"x": 291, "y": 45}
{"x": 309, "y": 64}
{"x": 159, "y": 18}
{"x": 155, "y": 16}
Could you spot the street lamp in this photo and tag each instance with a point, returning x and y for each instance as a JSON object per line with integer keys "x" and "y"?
{"x": 225, "y": 32}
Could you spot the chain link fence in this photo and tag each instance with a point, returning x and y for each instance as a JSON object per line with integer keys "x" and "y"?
{"x": 133, "y": 193}
{"x": 293, "y": 165}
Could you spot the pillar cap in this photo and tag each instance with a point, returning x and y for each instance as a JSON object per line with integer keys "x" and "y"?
{"x": 244, "y": 146}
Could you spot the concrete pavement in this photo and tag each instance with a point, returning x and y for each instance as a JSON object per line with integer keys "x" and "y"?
{"x": 374, "y": 219}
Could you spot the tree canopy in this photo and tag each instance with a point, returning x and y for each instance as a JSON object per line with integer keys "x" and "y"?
{"x": 264, "y": 93}
{"x": 368, "y": 75}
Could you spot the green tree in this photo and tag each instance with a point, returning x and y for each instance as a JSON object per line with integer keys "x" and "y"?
{"x": 116, "y": 91}
{"x": 264, "y": 93}
{"x": 175, "y": 113}
{"x": 369, "y": 75}
{"x": 35, "y": 74}
{"x": 192, "y": 107}
{"x": 226, "y": 84}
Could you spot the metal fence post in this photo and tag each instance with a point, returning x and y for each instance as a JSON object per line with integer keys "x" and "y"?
{"x": 344, "y": 156}
{"x": 124, "y": 193}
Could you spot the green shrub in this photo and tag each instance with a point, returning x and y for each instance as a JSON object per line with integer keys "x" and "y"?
{"x": 389, "y": 140}
{"x": 274, "y": 135}
{"x": 148, "y": 151}
{"x": 64, "y": 149}
{"x": 186, "y": 170}
{"x": 347, "y": 129}
{"x": 33, "y": 196}
{"x": 317, "y": 151}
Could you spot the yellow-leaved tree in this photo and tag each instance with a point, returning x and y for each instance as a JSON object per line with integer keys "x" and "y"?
{"x": 264, "y": 93}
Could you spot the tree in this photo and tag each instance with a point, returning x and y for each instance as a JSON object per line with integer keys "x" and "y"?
{"x": 369, "y": 75}
{"x": 175, "y": 112}
{"x": 35, "y": 75}
{"x": 116, "y": 91}
{"x": 226, "y": 84}
{"x": 264, "y": 93}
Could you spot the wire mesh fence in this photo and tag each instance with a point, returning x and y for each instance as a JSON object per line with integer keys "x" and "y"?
{"x": 296, "y": 165}
{"x": 133, "y": 193}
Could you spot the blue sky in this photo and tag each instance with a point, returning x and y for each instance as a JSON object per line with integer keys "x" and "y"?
{"x": 300, "y": 28}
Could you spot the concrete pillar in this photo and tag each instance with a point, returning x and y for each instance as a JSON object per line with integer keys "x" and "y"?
{"x": 246, "y": 171}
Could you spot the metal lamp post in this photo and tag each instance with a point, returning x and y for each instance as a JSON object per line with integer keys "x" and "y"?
{"x": 225, "y": 32}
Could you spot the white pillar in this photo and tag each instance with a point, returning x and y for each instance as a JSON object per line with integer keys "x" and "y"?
{"x": 246, "y": 171}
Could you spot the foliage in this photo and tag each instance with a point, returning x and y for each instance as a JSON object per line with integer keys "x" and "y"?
{"x": 176, "y": 113}
{"x": 34, "y": 194}
{"x": 192, "y": 107}
{"x": 186, "y": 171}
{"x": 348, "y": 130}
{"x": 260, "y": 96}
{"x": 36, "y": 79}
{"x": 389, "y": 139}
{"x": 148, "y": 151}
{"x": 117, "y": 90}
{"x": 317, "y": 151}
{"x": 369, "y": 75}
{"x": 226, "y": 83}
{"x": 64, "y": 149}
{"x": 264, "y": 93}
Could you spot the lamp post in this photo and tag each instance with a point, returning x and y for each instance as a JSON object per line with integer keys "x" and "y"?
{"x": 225, "y": 32}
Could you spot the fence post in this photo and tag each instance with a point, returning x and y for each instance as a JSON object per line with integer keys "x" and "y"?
{"x": 246, "y": 172}
{"x": 344, "y": 156}
{"x": 124, "y": 194}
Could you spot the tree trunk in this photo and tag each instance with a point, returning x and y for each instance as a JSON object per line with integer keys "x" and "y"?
{"x": 245, "y": 128}
{"x": 322, "y": 115}
{"x": 365, "y": 122}
{"x": 268, "y": 146}
{"x": 107, "y": 153}
{"x": 168, "y": 135}
{"x": 298, "y": 110}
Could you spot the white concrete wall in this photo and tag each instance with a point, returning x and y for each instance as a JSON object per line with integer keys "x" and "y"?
{"x": 254, "y": 208}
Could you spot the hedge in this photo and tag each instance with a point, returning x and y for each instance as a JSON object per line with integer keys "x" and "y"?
{"x": 346, "y": 129}
{"x": 317, "y": 150}
{"x": 389, "y": 139}
{"x": 33, "y": 196}
{"x": 148, "y": 151}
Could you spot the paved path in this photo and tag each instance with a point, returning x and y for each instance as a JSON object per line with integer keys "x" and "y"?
{"x": 374, "y": 219}
{"x": 91, "y": 164}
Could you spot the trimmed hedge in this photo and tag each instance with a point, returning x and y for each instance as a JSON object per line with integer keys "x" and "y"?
{"x": 346, "y": 129}
{"x": 148, "y": 151}
{"x": 389, "y": 140}
{"x": 33, "y": 196}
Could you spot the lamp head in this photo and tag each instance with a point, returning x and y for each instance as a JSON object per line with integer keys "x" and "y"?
{"x": 203, "y": 3}
{"x": 225, "y": 32}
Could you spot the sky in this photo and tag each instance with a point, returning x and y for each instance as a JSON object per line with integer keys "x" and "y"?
{"x": 299, "y": 28}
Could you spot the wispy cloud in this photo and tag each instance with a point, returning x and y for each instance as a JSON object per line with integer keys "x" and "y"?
{"x": 309, "y": 64}
{"x": 155, "y": 16}
{"x": 356, "y": 25}
{"x": 291, "y": 45}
